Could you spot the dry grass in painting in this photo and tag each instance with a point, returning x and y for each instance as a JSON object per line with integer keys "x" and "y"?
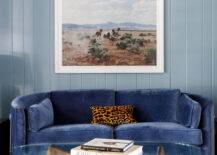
{"x": 86, "y": 47}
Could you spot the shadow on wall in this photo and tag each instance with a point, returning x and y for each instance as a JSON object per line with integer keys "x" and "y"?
{"x": 9, "y": 85}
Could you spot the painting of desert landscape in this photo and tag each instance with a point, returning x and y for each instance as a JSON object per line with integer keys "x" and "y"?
{"x": 109, "y": 33}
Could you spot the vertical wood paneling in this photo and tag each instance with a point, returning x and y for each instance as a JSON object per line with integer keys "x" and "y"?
{"x": 143, "y": 81}
{"x": 6, "y": 72}
{"x": 75, "y": 81}
{"x": 178, "y": 47}
{"x": 207, "y": 49}
{"x": 58, "y": 81}
{"x": 28, "y": 52}
{"x": 194, "y": 46}
{"x": 88, "y": 81}
{"x": 28, "y": 47}
{"x": 214, "y": 51}
{"x": 163, "y": 80}
{"x": 18, "y": 45}
{"x": 111, "y": 81}
{"x": 100, "y": 81}
{"x": 126, "y": 81}
{"x": 42, "y": 47}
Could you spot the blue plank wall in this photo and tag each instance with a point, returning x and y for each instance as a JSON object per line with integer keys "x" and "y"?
{"x": 27, "y": 52}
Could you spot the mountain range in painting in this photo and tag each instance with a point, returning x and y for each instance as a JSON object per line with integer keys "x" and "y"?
{"x": 111, "y": 25}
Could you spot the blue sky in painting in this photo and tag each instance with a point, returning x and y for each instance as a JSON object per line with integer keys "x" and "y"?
{"x": 102, "y": 11}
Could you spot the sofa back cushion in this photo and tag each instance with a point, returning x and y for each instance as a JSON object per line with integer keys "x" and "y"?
{"x": 188, "y": 112}
{"x": 74, "y": 106}
{"x": 151, "y": 105}
{"x": 40, "y": 115}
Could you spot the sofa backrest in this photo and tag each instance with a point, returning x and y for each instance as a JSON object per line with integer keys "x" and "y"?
{"x": 151, "y": 105}
{"x": 74, "y": 106}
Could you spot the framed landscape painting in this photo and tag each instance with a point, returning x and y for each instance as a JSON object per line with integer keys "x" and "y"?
{"x": 109, "y": 36}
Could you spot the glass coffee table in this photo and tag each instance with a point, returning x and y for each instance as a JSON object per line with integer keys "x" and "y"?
{"x": 149, "y": 148}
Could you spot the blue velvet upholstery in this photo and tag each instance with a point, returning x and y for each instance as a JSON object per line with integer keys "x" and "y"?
{"x": 40, "y": 115}
{"x": 191, "y": 109}
{"x": 159, "y": 132}
{"x": 163, "y": 114}
{"x": 70, "y": 133}
{"x": 151, "y": 105}
{"x": 18, "y": 116}
{"x": 206, "y": 123}
{"x": 74, "y": 106}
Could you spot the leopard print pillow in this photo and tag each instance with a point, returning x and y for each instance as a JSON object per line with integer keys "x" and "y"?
{"x": 112, "y": 115}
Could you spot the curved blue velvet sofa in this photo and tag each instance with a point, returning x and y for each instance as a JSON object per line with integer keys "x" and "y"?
{"x": 163, "y": 115}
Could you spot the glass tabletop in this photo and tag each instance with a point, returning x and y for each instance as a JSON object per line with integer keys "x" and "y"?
{"x": 149, "y": 148}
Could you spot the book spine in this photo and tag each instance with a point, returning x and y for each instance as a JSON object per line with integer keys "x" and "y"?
{"x": 77, "y": 152}
{"x": 101, "y": 149}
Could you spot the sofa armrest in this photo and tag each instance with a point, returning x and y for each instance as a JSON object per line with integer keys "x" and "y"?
{"x": 206, "y": 123}
{"x": 18, "y": 117}
{"x": 18, "y": 127}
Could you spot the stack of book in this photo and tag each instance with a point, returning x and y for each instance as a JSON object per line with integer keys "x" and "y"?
{"x": 100, "y": 146}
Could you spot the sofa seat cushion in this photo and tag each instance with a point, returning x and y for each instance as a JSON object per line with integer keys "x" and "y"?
{"x": 70, "y": 133}
{"x": 159, "y": 132}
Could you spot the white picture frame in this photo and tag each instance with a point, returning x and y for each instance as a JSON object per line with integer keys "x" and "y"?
{"x": 158, "y": 68}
